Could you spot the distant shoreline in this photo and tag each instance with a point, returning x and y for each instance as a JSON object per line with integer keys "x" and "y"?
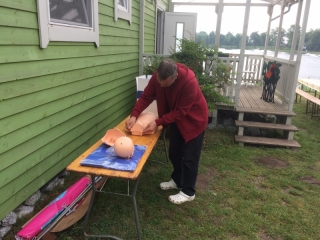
{"x": 287, "y": 50}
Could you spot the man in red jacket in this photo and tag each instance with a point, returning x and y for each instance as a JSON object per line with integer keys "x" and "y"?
{"x": 182, "y": 106}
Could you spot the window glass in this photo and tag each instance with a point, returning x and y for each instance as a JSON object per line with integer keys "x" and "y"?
{"x": 123, "y": 4}
{"x": 71, "y": 12}
{"x": 179, "y": 35}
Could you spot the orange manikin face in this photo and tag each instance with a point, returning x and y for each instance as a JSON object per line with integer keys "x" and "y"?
{"x": 167, "y": 82}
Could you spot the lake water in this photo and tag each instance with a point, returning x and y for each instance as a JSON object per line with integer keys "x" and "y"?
{"x": 310, "y": 63}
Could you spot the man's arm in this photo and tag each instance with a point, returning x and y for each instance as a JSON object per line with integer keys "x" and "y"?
{"x": 187, "y": 95}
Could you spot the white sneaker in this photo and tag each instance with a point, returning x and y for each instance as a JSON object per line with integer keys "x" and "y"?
{"x": 181, "y": 198}
{"x": 168, "y": 185}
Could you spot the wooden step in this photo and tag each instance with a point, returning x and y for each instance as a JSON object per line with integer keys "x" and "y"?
{"x": 265, "y": 111}
{"x": 266, "y": 125}
{"x": 267, "y": 141}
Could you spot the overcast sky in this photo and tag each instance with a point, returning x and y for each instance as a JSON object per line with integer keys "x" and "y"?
{"x": 233, "y": 18}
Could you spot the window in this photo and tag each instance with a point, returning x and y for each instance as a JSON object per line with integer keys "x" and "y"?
{"x": 68, "y": 20}
{"x": 179, "y": 35}
{"x": 122, "y": 9}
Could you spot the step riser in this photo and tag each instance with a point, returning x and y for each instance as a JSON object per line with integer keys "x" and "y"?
{"x": 267, "y": 141}
{"x": 265, "y": 111}
{"x": 266, "y": 125}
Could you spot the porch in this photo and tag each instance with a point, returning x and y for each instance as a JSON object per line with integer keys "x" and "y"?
{"x": 247, "y": 99}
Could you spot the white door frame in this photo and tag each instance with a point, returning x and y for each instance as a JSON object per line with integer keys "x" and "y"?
{"x": 189, "y": 21}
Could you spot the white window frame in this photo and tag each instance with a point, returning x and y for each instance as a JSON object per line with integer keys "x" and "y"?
{"x": 121, "y": 12}
{"x": 65, "y": 33}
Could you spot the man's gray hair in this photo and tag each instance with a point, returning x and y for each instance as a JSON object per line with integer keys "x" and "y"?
{"x": 167, "y": 68}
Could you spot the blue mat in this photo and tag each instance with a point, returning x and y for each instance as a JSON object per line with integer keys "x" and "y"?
{"x": 105, "y": 157}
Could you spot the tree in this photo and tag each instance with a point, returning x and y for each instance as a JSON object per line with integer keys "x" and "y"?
{"x": 273, "y": 37}
{"x": 223, "y": 40}
{"x": 263, "y": 37}
{"x": 211, "y": 39}
{"x": 290, "y": 33}
{"x": 237, "y": 40}
{"x": 255, "y": 39}
{"x": 283, "y": 36}
{"x": 229, "y": 39}
{"x": 308, "y": 35}
{"x": 201, "y": 37}
{"x": 314, "y": 41}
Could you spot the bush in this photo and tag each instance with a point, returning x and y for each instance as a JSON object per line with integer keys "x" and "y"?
{"x": 193, "y": 55}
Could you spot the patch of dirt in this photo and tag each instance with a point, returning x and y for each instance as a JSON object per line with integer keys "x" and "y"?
{"x": 258, "y": 180}
{"x": 272, "y": 162}
{"x": 287, "y": 189}
{"x": 283, "y": 202}
{"x": 310, "y": 180}
{"x": 313, "y": 168}
{"x": 316, "y": 167}
{"x": 263, "y": 236}
{"x": 233, "y": 237}
{"x": 203, "y": 180}
{"x": 216, "y": 221}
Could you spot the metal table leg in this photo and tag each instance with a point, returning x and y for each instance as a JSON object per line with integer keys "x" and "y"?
{"x": 94, "y": 190}
{"x": 136, "y": 217}
{"x": 165, "y": 148}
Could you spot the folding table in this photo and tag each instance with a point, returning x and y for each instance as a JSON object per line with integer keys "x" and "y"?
{"x": 147, "y": 140}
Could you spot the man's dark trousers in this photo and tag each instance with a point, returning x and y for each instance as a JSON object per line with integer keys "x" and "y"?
{"x": 185, "y": 159}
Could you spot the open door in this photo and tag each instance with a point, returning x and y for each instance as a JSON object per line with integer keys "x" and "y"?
{"x": 178, "y": 25}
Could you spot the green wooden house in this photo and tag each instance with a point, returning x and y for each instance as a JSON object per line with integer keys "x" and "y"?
{"x": 64, "y": 80}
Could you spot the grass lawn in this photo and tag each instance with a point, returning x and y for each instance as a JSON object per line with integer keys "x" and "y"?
{"x": 238, "y": 196}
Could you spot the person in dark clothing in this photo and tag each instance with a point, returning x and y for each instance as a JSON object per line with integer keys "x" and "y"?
{"x": 181, "y": 106}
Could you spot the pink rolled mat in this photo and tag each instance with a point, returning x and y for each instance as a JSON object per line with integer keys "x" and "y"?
{"x": 51, "y": 211}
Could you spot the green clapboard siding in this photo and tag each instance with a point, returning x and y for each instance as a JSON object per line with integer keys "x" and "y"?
{"x": 149, "y": 28}
{"x": 56, "y": 102}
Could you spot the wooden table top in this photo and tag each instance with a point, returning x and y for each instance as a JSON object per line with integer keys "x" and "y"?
{"x": 147, "y": 140}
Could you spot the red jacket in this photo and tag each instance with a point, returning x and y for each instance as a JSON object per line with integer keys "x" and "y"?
{"x": 182, "y": 103}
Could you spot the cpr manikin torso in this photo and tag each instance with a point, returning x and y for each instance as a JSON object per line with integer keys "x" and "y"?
{"x": 142, "y": 121}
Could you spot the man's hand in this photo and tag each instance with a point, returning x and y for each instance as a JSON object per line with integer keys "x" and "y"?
{"x": 130, "y": 122}
{"x": 150, "y": 128}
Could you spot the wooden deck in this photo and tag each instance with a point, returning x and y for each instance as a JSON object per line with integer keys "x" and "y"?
{"x": 250, "y": 98}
